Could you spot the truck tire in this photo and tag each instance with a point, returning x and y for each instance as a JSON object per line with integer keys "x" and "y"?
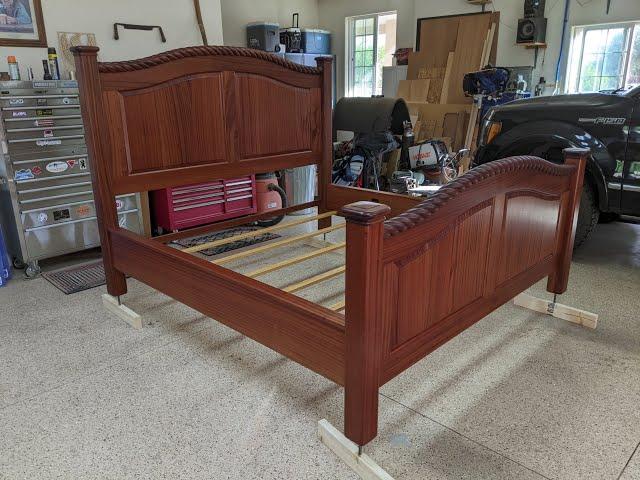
{"x": 608, "y": 217}
{"x": 587, "y": 216}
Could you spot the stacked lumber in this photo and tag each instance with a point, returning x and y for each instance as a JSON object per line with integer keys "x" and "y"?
{"x": 448, "y": 48}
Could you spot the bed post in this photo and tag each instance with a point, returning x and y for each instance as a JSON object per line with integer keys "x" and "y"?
{"x": 557, "y": 282}
{"x": 324, "y": 173}
{"x": 363, "y": 319}
{"x": 97, "y": 144}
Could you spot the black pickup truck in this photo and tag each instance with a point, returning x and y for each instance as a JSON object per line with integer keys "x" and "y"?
{"x": 608, "y": 124}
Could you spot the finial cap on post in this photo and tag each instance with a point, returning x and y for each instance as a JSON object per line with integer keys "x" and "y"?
{"x": 365, "y": 213}
{"x": 84, "y": 50}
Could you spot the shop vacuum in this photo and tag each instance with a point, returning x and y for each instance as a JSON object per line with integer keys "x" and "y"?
{"x": 269, "y": 196}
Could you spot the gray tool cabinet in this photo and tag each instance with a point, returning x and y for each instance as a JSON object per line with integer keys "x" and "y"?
{"x": 46, "y": 201}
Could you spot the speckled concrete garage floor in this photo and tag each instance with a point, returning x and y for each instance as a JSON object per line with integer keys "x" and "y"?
{"x": 517, "y": 396}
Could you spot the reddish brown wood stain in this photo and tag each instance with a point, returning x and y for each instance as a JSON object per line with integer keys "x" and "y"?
{"x": 412, "y": 282}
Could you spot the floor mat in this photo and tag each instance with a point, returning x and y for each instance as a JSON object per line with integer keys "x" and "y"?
{"x": 77, "y": 278}
{"x": 227, "y": 247}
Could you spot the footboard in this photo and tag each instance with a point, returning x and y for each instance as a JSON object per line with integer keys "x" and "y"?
{"x": 419, "y": 279}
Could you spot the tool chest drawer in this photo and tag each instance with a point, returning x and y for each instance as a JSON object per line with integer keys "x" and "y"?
{"x": 192, "y": 205}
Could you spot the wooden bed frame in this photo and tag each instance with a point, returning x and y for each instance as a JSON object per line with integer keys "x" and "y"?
{"x": 201, "y": 113}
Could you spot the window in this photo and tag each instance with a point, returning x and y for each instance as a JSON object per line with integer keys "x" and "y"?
{"x": 372, "y": 41}
{"x": 604, "y": 57}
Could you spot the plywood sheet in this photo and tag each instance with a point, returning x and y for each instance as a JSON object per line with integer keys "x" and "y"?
{"x": 438, "y": 37}
{"x": 436, "y": 111}
{"x": 414, "y": 90}
{"x": 431, "y": 121}
{"x": 472, "y": 34}
{"x": 444, "y": 94}
{"x": 404, "y": 89}
{"x": 417, "y": 60}
{"x": 420, "y": 90}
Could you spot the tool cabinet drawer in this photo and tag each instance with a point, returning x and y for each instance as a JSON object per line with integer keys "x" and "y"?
{"x": 39, "y": 169}
{"x": 56, "y": 239}
{"x": 72, "y": 189}
{"x": 243, "y": 202}
{"x": 196, "y": 194}
{"x": 197, "y": 214}
{"x": 42, "y": 145}
{"x": 21, "y": 134}
{"x": 65, "y": 211}
{"x": 26, "y": 113}
{"x": 34, "y": 99}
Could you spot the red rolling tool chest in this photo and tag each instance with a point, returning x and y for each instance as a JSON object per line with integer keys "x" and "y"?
{"x": 192, "y": 205}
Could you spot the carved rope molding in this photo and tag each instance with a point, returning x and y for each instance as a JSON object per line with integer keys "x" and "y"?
{"x": 203, "y": 51}
{"x": 421, "y": 213}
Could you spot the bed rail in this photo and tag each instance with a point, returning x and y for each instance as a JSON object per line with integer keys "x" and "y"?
{"x": 297, "y": 328}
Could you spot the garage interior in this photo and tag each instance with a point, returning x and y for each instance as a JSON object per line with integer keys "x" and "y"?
{"x": 307, "y": 170}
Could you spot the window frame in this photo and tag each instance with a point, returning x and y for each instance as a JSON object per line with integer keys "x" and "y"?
{"x": 350, "y": 46}
{"x": 574, "y": 78}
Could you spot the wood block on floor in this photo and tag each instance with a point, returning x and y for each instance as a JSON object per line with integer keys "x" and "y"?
{"x": 347, "y": 451}
{"x": 121, "y": 311}
{"x": 557, "y": 310}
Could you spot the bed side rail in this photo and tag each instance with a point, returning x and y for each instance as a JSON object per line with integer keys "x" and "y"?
{"x": 298, "y": 329}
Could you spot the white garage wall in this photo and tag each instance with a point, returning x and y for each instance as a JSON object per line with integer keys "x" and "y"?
{"x": 177, "y": 18}
{"x": 332, "y": 13}
{"x": 237, "y": 13}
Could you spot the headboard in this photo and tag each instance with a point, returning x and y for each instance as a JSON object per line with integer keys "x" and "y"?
{"x": 201, "y": 113}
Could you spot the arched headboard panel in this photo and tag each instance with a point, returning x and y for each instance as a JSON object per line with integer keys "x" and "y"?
{"x": 200, "y": 113}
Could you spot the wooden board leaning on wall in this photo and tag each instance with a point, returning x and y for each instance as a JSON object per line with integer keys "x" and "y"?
{"x": 449, "y": 47}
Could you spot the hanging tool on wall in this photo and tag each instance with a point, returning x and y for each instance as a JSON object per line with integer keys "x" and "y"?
{"x": 203, "y": 32}
{"x": 608, "y": 6}
{"x": 130, "y": 26}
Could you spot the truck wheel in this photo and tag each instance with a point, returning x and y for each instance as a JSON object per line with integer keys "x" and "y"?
{"x": 587, "y": 216}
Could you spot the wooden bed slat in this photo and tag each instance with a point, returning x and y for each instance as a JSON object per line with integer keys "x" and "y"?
{"x": 339, "y": 306}
{"x": 280, "y": 243}
{"x": 308, "y": 282}
{"x": 295, "y": 260}
{"x": 242, "y": 236}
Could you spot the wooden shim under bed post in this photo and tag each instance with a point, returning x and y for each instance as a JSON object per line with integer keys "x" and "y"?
{"x": 86, "y": 58}
{"x": 364, "y": 330}
{"x": 349, "y": 453}
{"x": 324, "y": 170}
{"x": 557, "y": 310}
{"x": 115, "y": 306}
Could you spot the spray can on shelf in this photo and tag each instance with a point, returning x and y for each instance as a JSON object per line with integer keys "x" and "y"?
{"x": 14, "y": 69}
{"x": 45, "y": 66}
{"x": 54, "y": 68}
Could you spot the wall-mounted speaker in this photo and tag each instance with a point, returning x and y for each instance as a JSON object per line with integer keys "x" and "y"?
{"x": 534, "y": 8}
{"x": 532, "y": 30}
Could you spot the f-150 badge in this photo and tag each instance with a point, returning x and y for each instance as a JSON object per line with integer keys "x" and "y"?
{"x": 604, "y": 120}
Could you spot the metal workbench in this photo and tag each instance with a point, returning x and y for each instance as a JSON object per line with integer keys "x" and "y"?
{"x": 46, "y": 200}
